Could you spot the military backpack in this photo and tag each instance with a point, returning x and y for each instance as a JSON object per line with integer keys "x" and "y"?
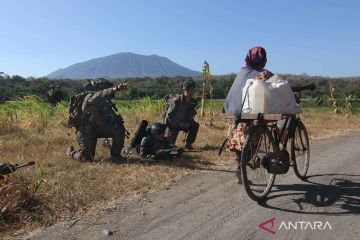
{"x": 168, "y": 100}
{"x": 75, "y": 110}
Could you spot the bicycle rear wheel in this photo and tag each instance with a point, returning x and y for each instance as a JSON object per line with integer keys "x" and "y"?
{"x": 300, "y": 151}
{"x": 256, "y": 179}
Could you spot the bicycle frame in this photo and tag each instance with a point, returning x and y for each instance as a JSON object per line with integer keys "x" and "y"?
{"x": 290, "y": 124}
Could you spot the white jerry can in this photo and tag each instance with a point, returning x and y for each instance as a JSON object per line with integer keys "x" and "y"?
{"x": 271, "y": 96}
{"x": 255, "y": 101}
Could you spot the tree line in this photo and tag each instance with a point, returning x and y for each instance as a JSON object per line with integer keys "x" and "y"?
{"x": 156, "y": 88}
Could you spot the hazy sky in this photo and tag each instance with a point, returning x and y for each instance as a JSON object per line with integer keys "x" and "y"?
{"x": 317, "y": 37}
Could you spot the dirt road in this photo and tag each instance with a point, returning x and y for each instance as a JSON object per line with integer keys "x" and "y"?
{"x": 211, "y": 205}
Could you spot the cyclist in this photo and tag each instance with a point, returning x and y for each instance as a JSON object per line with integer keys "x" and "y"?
{"x": 255, "y": 62}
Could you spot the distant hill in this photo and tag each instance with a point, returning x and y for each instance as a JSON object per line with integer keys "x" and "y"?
{"x": 122, "y": 65}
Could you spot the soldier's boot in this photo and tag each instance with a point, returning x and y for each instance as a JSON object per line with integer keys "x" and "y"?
{"x": 70, "y": 151}
{"x": 191, "y": 135}
{"x": 81, "y": 155}
{"x": 118, "y": 140}
{"x": 171, "y": 134}
{"x": 87, "y": 141}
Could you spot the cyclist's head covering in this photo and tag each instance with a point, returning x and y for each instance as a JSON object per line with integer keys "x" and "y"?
{"x": 256, "y": 57}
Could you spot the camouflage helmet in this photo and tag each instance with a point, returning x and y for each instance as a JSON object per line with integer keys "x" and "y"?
{"x": 189, "y": 84}
{"x": 98, "y": 84}
{"x": 157, "y": 128}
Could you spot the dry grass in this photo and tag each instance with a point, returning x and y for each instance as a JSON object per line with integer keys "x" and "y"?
{"x": 57, "y": 188}
{"x": 325, "y": 124}
{"x": 70, "y": 188}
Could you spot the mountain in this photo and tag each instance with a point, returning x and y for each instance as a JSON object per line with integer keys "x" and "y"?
{"x": 122, "y": 65}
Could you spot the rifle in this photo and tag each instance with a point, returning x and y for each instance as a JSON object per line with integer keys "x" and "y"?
{"x": 166, "y": 153}
{"x": 192, "y": 151}
{"x": 7, "y": 168}
{"x": 172, "y": 152}
{"x": 178, "y": 151}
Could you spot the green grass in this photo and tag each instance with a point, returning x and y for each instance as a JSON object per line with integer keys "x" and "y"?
{"x": 307, "y": 103}
{"x": 146, "y": 105}
{"x": 33, "y": 107}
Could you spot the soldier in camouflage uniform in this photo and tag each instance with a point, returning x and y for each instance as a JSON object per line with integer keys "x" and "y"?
{"x": 54, "y": 95}
{"x": 99, "y": 120}
{"x": 156, "y": 146}
{"x": 180, "y": 116}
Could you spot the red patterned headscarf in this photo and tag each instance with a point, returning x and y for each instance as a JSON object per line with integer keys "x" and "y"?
{"x": 256, "y": 57}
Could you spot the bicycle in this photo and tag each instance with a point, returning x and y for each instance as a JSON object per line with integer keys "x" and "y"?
{"x": 265, "y": 152}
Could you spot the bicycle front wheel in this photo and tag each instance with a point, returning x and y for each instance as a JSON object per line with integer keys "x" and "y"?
{"x": 300, "y": 151}
{"x": 256, "y": 179}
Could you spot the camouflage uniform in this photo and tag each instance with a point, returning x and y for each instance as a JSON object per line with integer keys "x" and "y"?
{"x": 99, "y": 120}
{"x": 181, "y": 111}
{"x": 54, "y": 96}
{"x": 155, "y": 149}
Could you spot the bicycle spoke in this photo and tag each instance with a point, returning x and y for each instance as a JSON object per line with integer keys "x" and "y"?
{"x": 258, "y": 177}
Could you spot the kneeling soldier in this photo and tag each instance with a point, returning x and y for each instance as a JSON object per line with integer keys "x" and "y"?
{"x": 180, "y": 116}
{"x": 98, "y": 120}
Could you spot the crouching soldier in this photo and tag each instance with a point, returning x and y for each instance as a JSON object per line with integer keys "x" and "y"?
{"x": 54, "y": 95}
{"x": 156, "y": 145}
{"x": 180, "y": 116}
{"x": 92, "y": 114}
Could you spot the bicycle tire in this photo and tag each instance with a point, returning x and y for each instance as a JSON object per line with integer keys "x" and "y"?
{"x": 300, "y": 137}
{"x": 249, "y": 184}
